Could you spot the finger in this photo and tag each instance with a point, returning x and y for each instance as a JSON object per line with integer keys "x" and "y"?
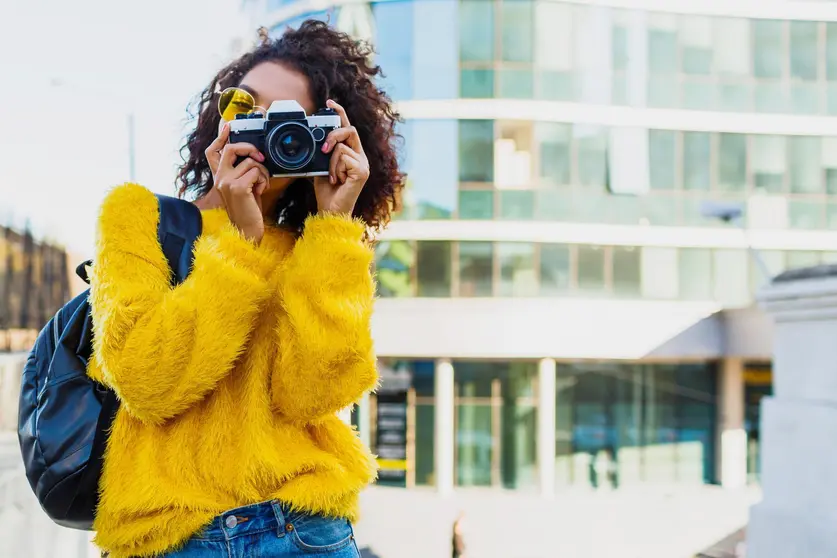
{"x": 347, "y": 136}
{"x": 213, "y": 152}
{"x": 240, "y": 169}
{"x": 233, "y": 150}
{"x": 356, "y": 167}
{"x": 248, "y": 181}
{"x": 344, "y": 119}
{"x": 339, "y": 149}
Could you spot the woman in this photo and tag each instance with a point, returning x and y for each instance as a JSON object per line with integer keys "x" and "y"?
{"x": 227, "y": 442}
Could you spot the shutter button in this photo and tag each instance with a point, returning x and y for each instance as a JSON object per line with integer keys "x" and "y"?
{"x": 231, "y": 522}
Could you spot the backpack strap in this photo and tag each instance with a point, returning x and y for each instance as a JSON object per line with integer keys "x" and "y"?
{"x": 180, "y": 226}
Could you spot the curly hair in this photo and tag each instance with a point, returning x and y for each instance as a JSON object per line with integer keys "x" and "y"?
{"x": 337, "y": 67}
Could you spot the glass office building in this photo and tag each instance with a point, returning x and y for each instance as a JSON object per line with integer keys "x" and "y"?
{"x": 559, "y": 287}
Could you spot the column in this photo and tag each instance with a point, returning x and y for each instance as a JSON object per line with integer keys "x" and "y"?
{"x": 732, "y": 457}
{"x": 546, "y": 427}
{"x": 444, "y": 433}
{"x": 795, "y": 516}
{"x": 365, "y": 420}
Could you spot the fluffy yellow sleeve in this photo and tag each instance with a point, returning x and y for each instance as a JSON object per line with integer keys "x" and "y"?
{"x": 161, "y": 349}
{"x": 326, "y": 360}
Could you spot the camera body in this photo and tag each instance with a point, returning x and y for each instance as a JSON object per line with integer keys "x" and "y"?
{"x": 290, "y": 140}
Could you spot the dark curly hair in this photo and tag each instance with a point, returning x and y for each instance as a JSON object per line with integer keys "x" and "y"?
{"x": 339, "y": 68}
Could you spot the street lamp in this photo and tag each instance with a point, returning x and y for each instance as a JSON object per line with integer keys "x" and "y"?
{"x": 733, "y": 213}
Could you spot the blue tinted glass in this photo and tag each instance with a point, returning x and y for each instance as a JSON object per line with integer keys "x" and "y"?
{"x": 476, "y": 30}
{"x": 516, "y": 84}
{"x": 476, "y": 204}
{"x": 435, "y": 49}
{"x": 434, "y": 174}
{"x": 394, "y": 47}
{"x": 476, "y": 84}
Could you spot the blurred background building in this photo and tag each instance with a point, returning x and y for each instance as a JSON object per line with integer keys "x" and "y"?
{"x": 566, "y": 308}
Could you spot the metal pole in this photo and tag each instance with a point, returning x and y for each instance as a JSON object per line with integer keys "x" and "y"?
{"x": 132, "y": 175}
{"x": 755, "y": 254}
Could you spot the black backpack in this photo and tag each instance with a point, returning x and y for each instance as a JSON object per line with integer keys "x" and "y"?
{"x": 65, "y": 416}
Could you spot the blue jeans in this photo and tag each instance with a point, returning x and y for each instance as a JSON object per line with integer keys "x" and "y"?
{"x": 267, "y": 530}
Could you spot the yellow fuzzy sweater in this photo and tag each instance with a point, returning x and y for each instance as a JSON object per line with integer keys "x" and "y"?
{"x": 230, "y": 383}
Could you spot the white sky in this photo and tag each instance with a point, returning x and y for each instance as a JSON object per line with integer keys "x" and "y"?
{"x": 70, "y": 73}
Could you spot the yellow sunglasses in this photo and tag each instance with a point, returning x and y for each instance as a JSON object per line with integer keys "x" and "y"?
{"x": 234, "y": 100}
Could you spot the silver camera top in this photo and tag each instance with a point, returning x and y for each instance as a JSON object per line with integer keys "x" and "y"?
{"x": 285, "y": 111}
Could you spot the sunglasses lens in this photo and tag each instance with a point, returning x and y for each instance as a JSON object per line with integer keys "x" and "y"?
{"x": 235, "y": 101}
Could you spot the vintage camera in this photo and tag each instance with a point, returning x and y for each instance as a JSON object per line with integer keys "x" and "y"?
{"x": 290, "y": 141}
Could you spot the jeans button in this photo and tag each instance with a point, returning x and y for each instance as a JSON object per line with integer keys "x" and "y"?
{"x": 231, "y": 522}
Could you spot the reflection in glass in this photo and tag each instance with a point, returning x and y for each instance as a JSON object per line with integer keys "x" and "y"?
{"x": 476, "y": 30}
{"x": 554, "y": 205}
{"x": 476, "y": 268}
{"x": 627, "y": 266}
{"x": 730, "y": 277}
{"x": 516, "y": 84}
{"x": 803, "y": 50}
{"x": 476, "y": 204}
{"x": 769, "y": 162}
{"x": 662, "y": 159}
{"x": 556, "y": 86}
{"x": 695, "y": 273}
{"x": 805, "y": 214}
{"x": 662, "y": 49}
{"x": 394, "y": 261}
{"x": 735, "y": 96}
{"x": 696, "y": 168}
{"x": 732, "y": 162}
{"x": 698, "y": 94}
{"x": 474, "y": 443}
{"x": 805, "y": 98}
{"x": 476, "y": 84}
{"x": 554, "y": 269}
{"x": 553, "y": 141}
{"x": 831, "y": 51}
{"x": 804, "y": 154}
{"x": 517, "y": 32}
{"x": 517, "y": 269}
{"x": 517, "y": 205}
{"x": 767, "y": 48}
{"x": 771, "y": 97}
{"x": 476, "y": 150}
{"x": 591, "y": 268}
{"x": 425, "y": 444}
{"x": 591, "y": 144}
{"x": 433, "y": 268}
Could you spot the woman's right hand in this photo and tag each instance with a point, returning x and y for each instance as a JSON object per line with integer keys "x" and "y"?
{"x": 240, "y": 186}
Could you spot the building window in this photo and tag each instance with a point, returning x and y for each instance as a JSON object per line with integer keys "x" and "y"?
{"x": 476, "y": 204}
{"x": 591, "y": 269}
{"x": 696, "y": 160}
{"x": 476, "y": 31}
{"x": 476, "y": 84}
{"x": 732, "y": 162}
{"x": 662, "y": 160}
{"x": 433, "y": 268}
{"x": 804, "y": 154}
{"x": 517, "y": 269}
{"x": 555, "y": 269}
{"x": 695, "y": 274}
{"x": 517, "y": 31}
{"x": 476, "y": 269}
{"x": 768, "y": 53}
{"x": 804, "y": 50}
{"x": 476, "y": 150}
{"x": 627, "y": 267}
{"x": 769, "y": 162}
{"x": 554, "y": 152}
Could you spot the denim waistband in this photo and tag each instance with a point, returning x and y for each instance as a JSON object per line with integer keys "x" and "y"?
{"x": 248, "y": 520}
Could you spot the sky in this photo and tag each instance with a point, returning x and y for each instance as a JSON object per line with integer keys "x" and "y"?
{"x": 72, "y": 72}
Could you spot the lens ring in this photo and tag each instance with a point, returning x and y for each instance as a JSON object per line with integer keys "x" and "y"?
{"x": 233, "y": 101}
{"x": 290, "y": 145}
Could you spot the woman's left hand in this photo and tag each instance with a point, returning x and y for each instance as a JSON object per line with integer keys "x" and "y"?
{"x": 348, "y": 171}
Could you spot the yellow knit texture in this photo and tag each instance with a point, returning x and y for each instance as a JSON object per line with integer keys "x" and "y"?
{"x": 229, "y": 383}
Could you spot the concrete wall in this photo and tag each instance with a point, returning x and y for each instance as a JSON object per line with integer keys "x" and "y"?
{"x": 567, "y": 329}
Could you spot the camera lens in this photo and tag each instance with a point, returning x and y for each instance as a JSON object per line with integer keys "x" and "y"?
{"x": 290, "y": 145}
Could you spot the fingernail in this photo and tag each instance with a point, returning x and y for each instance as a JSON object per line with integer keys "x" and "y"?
{"x": 325, "y": 147}
{"x": 331, "y": 179}
{"x": 261, "y": 157}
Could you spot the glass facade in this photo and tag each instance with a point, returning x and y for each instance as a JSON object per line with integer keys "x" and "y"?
{"x": 444, "y": 269}
{"x": 618, "y": 424}
{"x": 552, "y": 171}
